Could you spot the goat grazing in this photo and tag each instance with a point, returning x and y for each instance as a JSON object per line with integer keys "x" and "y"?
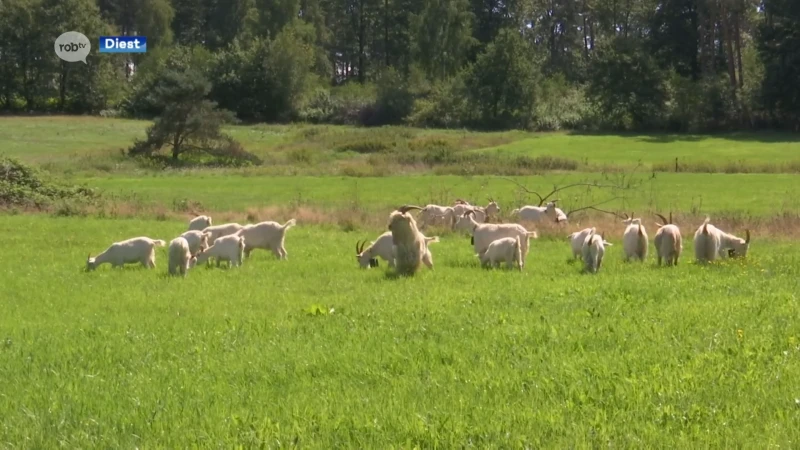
{"x": 634, "y": 240}
{"x": 668, "y": 241}
{"x": 385, "y": 248}
{"x": 200, "y": 223}
{"x": 180, "y": 257}
{"x": 484, "y": 234}
{"x": 594, "y": 248}
{"x": 711, "y": 243}
{"x": 504, "y": 249}
{"x": 138, "y": 249}
{"x": 410, "y": 247}
{"x": 226, "y": 248}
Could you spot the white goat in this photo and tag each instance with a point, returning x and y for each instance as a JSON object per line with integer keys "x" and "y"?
{"x": 711, "y": 243}
{"x": 536, "y": 213}
{"x": 139, "y": 249}
{"x": 226, "y": 248}
{"x": 482, "y": 214}
{"x": 634, "y": 240}
{"x": 200, "y": 223}
{"x": 594, "y": 248}
{"x": 668, "y": 241}
{"x": 410, "y": 248}
{"x": 504, "y": 249}
{"x": 217, "y": 231}
{"x": 385, "y": 248}
{"x": 267, "y": 235}
{"x": 432, "y": 214}
{"x": 576, "y": 242}
{"x": 180, "y": 256}
{"x": 197, "y": 240}
{"x": 484, "y": 234}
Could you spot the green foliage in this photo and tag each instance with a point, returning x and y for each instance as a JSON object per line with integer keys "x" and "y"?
{"x": 501, "y": 85}
{"x": 707, "y": 104}
{"x": 779, "y": 48}
{"x": 189, "y": 123}
{"x": 268, "y": 79}
{"x": 560, "y": 105}
{"x": 24, "y": 186}
{"x": 285, "y": 60}
{"x": 627, "y": 87}
{"x": 446, "y": 106}
{"x": 394, "y": 98}
{"x": 164, "y": 61}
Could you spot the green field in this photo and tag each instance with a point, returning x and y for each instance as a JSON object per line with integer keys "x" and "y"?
{"x": 685, "y": 357}
{"x": 314, "y": 353}
{"x": 89, "y": 146}
{"x": 679, "y": 192}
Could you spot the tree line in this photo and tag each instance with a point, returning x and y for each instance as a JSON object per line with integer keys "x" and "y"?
{"x": 679, "y": 65}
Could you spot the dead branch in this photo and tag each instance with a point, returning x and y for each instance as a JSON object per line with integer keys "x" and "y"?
{"x": 623, "y": 183}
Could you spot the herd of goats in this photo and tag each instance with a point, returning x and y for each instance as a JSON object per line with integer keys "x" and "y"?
{"x": 405, "y": 247}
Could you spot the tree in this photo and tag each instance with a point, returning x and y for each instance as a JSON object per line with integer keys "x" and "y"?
{"x": 189, "y": 122}
{"x": 627, "y": 86}
{"x": 502, "y": 82}
{"x": 779, "y": 49}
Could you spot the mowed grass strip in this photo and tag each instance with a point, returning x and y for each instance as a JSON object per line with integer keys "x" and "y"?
{"x": 757, "y": 194}
{"x": 691, "y": 356}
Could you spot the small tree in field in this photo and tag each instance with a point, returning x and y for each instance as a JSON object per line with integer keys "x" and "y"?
{"x": 189, "y": 123}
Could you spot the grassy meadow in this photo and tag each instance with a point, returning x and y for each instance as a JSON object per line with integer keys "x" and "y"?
{"x": 312, "y": 352}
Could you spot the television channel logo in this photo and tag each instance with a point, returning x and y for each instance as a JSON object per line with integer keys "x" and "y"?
{"x": 123, "y": 44}
{"x": 73, "y": 47}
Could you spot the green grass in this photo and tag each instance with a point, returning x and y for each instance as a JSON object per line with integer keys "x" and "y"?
{"x": 91, "y": 145}
{"x": 658, "y": 148}
{"x": 636, "y": 356}
{"x": 758, "y": 194}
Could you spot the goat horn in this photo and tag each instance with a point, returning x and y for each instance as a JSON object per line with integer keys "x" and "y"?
{"x": 405, "y": 208}
{"x": 747, "y": 236}
{"x": 663, "y": 219}
{"x": 670, "y": 217}
{"x": 625, "y": 214}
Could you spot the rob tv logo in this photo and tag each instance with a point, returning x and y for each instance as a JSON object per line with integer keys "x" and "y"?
{"x": 123, "y": 44}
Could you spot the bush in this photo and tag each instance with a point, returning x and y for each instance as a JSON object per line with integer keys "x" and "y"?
{"x": 22, "y": 185}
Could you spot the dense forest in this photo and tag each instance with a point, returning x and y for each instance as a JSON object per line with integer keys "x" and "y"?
{"x": 681, "y": 65}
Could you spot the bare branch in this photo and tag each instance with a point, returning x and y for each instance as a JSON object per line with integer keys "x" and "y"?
{"x": 524, "y": 188}
{"x": 595, "y": 207}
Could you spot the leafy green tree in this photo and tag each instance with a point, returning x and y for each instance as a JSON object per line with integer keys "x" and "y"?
{"x": 627, "y": 86}
{"x": 189, "y": 122}
{"x": 502, "y": 83}
{"x": 444, "y": 39}
{"x": 83, "y": 87}
{"x": 779, "y": 49}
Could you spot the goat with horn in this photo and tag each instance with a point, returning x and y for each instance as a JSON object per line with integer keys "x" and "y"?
{"x": 410, "y": 248}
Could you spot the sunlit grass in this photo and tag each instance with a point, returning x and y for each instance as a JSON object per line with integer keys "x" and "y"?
{"x": 638, "y": 356}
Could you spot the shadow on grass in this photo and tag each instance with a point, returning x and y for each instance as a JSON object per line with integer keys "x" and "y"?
{"x": 766, "y": 137}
